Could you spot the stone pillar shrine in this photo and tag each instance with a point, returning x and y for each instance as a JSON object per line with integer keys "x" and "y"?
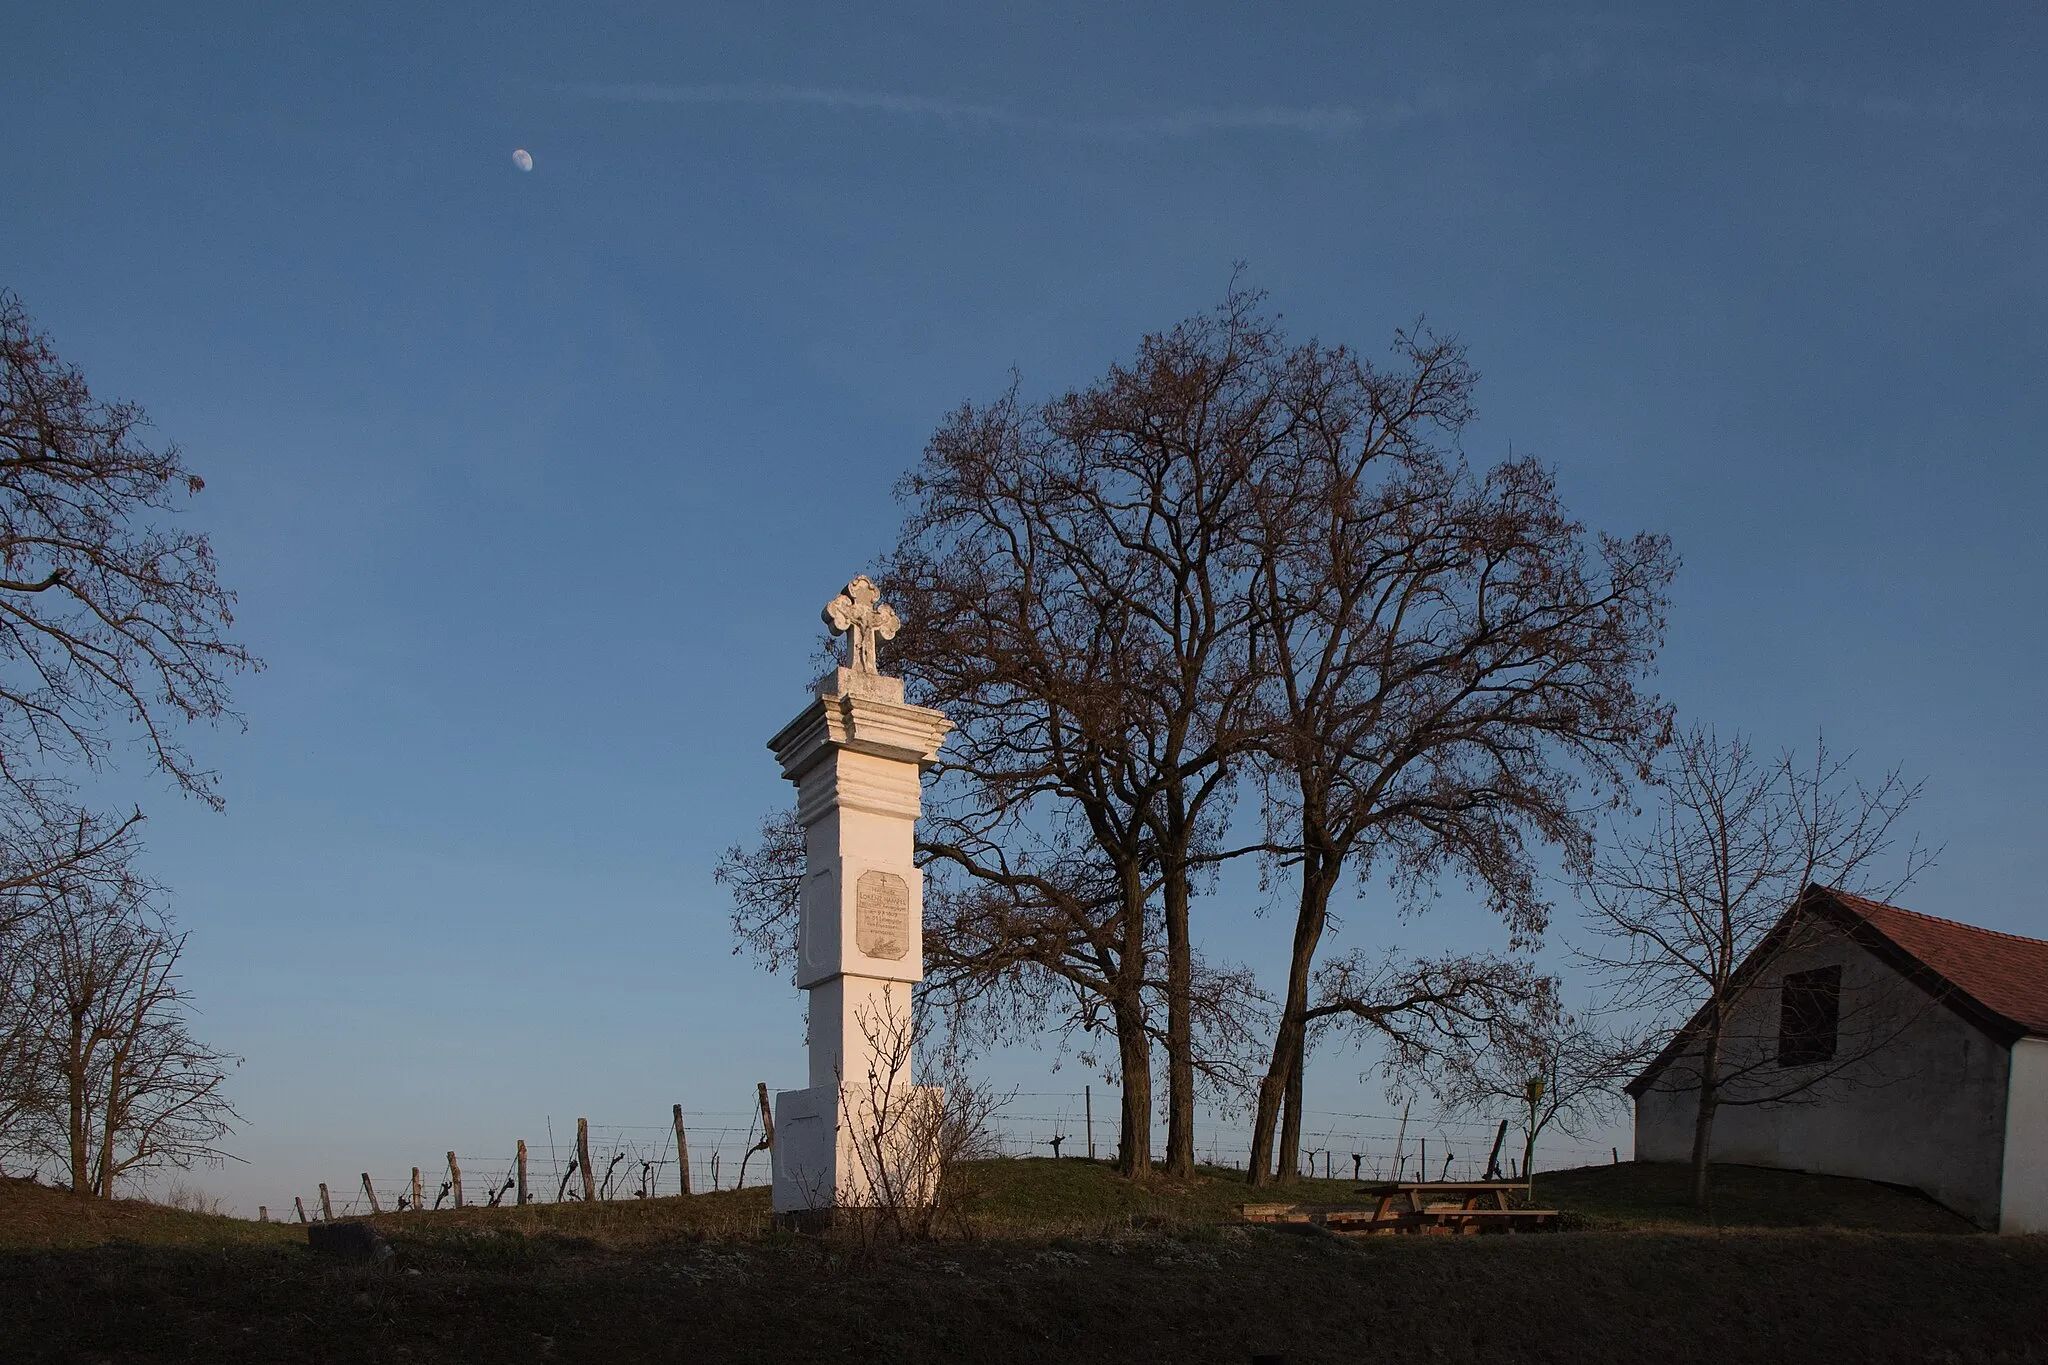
{"x": 856, "y": 1134}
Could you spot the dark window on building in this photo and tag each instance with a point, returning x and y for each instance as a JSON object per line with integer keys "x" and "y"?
{"x": 1809, "y": 1013}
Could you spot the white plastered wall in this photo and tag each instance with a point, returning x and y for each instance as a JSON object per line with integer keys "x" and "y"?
{"x": 1928, "y": 1110}
{"x": 2023, "y": 1203}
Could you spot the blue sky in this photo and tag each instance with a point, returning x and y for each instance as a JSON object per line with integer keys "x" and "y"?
{"x": 532, "y": 485}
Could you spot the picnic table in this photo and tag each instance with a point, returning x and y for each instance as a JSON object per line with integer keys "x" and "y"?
{"x": 1438, "y": 1206}
{"x": 1454, "y": 1205}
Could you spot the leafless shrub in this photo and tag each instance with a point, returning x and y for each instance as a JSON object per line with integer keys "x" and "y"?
{"x": 909, "y": 1140}
{"x": 190, "y": 1199}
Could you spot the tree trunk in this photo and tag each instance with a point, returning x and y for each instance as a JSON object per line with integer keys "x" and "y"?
{"x": 81, "y": 1157}
{"x": 1134, "y": 1057}
{"x": 1290, "y": 1117}
{"x": 1272, "y": 1094}
{"x": 1133, "y": 1039}
{"x": 1180, "y": 1033}
{"x": 1703, "y": 1125}
{"x": 117, "y": 1102}
{"x": 1289, "y": 1043}
{"x": 109, "y": 1126}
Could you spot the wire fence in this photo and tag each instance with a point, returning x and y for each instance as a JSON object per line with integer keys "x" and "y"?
{"x": 638, "y": 1161}
{"x": 1342, "y": 1144}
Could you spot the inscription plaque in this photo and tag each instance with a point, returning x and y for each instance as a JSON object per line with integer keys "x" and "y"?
{"x": 881, "y": 915}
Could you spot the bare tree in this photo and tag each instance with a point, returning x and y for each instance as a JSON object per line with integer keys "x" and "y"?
{"x": 109, "y": 616}
{"x": 1073, "y": 581}
{"x": 1450, "y": 661}
{"x": 1548, "y": 1067}
{"x": 48, "y": 851}
{"x": 113, "y": 625}
{"x": 122, "y": 1086}
{"x": 1692, "y": 905}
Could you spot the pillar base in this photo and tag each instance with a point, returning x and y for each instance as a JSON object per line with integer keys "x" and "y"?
{"x": 820, "y": 1165}
{"x": 806, "y": 1160}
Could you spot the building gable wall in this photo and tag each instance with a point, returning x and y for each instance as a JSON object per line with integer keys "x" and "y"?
{"x": 1926, "y": 1107}
{"x": 2023, "y": 1203}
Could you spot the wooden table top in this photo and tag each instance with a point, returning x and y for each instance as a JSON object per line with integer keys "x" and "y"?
{"x": 1441, "y": 1186}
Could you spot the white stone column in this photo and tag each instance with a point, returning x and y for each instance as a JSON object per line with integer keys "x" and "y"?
{"x": 855, "y": 755}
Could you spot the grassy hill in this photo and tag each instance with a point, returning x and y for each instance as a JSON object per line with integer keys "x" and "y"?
{"x": 1057, "y": 1261}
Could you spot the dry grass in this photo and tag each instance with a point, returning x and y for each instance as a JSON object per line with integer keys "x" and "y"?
{"x": 35, "y": 1216}
{"x": 1064, "y": 1263}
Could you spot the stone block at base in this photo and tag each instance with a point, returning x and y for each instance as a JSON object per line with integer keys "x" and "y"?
{"x": 820, "y": 1165}
{"x": 806, "y": 1134}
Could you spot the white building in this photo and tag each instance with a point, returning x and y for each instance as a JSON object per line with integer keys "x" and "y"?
{"x": 1882, "y": 1044}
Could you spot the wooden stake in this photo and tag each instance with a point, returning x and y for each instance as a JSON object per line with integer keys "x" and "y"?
{"x": 1088, "y": 1108}
{"x": 767, "y": 1119}
{"x": 682, "y": 1150}
{"x": 300, "y": 1204}
{"x": 416, "y": 1189}
{"x": 326, "y": 1208}
{"x": 1401, "y": 1137}
{"x": 583, "y": 1156}
{"x": 371, "y": 1191}
{"x": 522, "y": 1173}
{"x": 1493, "y": 1160}
{"x": 455, "y": 1178}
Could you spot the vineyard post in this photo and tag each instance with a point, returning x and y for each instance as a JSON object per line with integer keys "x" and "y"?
{"x": 455, "y": 1178}
{"x": 522, "y": 1173}
{"x": 371, "y": 1191}
{"x": 262, "y": 1213}
{"x": 300, "y": 1204}
{"x": 415, "y": 1189}
{"x": 1088, "y": 1108}
{"x": 583, "y": 1156}
{"x": 682, "y": 1150}
{"x": 326, "y": 1208}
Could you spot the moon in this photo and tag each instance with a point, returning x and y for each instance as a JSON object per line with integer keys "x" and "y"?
{"x": 523, "y": 159}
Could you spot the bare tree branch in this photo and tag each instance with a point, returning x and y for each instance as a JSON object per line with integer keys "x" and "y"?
{"x": 111, "y": 620}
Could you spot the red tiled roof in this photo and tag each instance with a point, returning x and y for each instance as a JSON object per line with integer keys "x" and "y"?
{"x": 2005, "y": 973}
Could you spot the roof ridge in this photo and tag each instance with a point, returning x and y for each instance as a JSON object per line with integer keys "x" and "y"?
{"x": 1937, "y": 919}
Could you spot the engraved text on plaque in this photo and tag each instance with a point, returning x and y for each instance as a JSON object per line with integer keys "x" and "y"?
{"x": 881, "y": 915}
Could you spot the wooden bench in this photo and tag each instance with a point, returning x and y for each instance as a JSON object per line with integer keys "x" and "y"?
{"x": 1462, "y": 1220}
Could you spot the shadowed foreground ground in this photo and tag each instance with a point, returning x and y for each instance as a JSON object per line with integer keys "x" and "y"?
{"x": 699, "y": 1280}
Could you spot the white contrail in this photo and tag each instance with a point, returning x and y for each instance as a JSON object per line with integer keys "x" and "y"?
{"x": 1320, "y": 120}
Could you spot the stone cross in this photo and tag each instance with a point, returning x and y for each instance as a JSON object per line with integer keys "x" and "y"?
{"x": 862, "y": 617}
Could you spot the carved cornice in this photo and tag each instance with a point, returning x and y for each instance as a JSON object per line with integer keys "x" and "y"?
{"x": 862, "y": 724}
